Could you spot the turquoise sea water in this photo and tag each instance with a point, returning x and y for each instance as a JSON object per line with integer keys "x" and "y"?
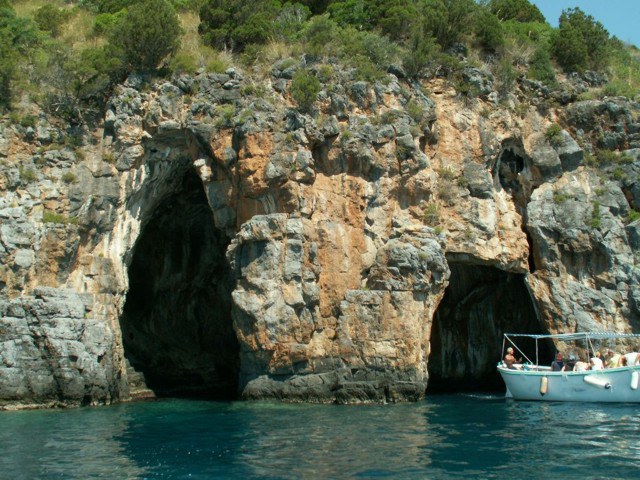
{"x": 445, "y": 436}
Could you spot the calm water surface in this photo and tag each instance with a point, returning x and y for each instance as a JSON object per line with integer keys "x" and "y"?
{"x": 451, "y": 436}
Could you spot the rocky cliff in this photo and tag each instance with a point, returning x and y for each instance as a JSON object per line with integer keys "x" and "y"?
{"x": 208, "y": 238}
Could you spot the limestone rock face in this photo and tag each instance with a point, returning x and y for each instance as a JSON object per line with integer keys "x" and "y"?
{"x": 369, "y": 346}
{"x": 587, "y": 275}
{"x": 57, "y": 351}
{"x": 208, "y": 238}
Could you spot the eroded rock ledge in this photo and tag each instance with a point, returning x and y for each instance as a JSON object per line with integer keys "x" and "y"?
{"x": 210, "y": 240}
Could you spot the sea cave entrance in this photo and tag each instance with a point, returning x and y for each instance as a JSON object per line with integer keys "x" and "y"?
{"x": 480, "y": 304}
{"x": 176, "y": 323}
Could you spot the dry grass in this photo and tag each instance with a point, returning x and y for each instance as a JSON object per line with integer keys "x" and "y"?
{"x": 190, "y": 42}
{"x": 518, "y": 52}
{"x": 272, "y": 52}
{"x": 78, "y": 30}
{"x": 192, "y": 54}
{"x": 27, "y": 8}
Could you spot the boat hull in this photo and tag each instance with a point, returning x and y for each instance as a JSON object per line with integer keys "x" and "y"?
{"x": 609, "y": 385}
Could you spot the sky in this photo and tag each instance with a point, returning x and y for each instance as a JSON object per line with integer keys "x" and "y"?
{"x": 620, "y": 17}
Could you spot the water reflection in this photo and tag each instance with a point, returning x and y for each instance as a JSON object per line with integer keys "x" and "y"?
{"x": 64, "y": 444}
{"x": 464, "y": 436}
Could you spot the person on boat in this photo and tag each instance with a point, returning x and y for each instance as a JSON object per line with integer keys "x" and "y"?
{"x": 632, "y": 358}
{"x": 596, "y": 362}
{"x": 510, "y": 359}
{"x": 569, "y": 364}
{"x": 557, "y": 364}
{"x": 613, "y": 359}
{"x": 581, "y": 366}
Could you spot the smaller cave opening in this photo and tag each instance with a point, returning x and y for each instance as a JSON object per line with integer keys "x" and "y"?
{"x": 176, "y": 323}
{"x": 509, "y": 166}
{"x": 509, "y": 173}
{"x": 480, "y": 304}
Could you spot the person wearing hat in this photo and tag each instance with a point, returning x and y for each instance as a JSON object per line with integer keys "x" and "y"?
{"x": 510, "y": 360}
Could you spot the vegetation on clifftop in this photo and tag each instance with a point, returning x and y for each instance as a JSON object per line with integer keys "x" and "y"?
{"x": 67, "y": 56}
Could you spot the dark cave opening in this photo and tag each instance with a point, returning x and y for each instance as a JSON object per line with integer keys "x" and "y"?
{"x": 510, "y": 171}
{"x": 510, "y": 166}
{"x": 480, "y": 304}
{"x": 176, "y": 323}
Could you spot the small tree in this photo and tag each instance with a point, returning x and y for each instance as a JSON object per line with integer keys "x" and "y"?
{"x": 421, "y": 51}
{"x": 304, "y": 89}
{"x": 489, "y": 31}
{"x": 234, "y": 24}
{"x": 149, "y": 32}
{"x": 51, "y": 19}
{"x": 17, "y": 37}
{"x": 581, "y": 42}
{"x": 448, "y": 20}
{"x": 540, "y": 67}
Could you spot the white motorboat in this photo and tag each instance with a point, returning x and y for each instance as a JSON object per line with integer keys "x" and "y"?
{"x": 531, "y": 381}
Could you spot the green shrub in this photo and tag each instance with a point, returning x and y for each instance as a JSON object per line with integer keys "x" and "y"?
{"x": 605, "y": 158}
{"x": 618, "y": 174}
{"x": 51, "y": 19}
{"x": 145, "y": 39}
{"x": 319, "y": 34}
{"x": 624, "y": 71}
{"x": 366, "y": 70}
{"x": 108, "y": 6}
{"x": 109, "y": 157}
{"x": 633, "y": 216}
{"x": 304, "y": 89}
{"x": 290, "y": 20}
{"x": 448, "y": 20}
{"x": 553, "y": 134}
{"x": 53, "y": 217}
{"x": 541, "y": 68}
{"x": 17, "y": 37}
{"x": 488, "y": 31}
{"x": 234, "y": 24}
{"x": 518, "y": 10}
{"x": 106, "y": 22}
{"x": 422, "y": 51}
{"x": 446, "y": 173}
{"x": 505, "y": 76}
{"x": 224, "y": 115}
{"x": 619, "y": 88}
{"x": 431, "y": 215}
{"x": 559, "y": 198}
{"x": 416, "y": 111}
{"x": 391, "y": 17}
{"x": 581, "y": 42}
{"x": 353, "y": 12}
{"x": 28, "y": 175}
{"x": 537, "y": 34}
{"x": 183, "y": 62}
{"x": 22, "y": 120}
{"x": 69, "y": 177}
{"x": 325, "y": 72}
{"x": 378, "y": 49}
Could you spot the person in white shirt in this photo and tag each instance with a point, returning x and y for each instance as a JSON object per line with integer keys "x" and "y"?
{"x": 596, "y": 362}
{"x": 632, "y": 358}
